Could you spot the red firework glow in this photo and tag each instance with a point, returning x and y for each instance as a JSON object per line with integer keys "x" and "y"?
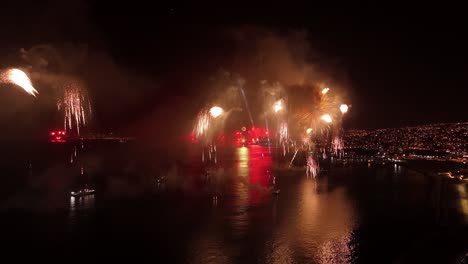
{"x": 253, "y": 136}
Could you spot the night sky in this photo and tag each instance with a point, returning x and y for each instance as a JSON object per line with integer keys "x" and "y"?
{"x": 397, "y": 65}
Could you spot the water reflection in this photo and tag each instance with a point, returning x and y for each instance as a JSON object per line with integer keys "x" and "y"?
{"x": 242, "y": 155}
{"x": 462, "y": 195}
{"x": 328, "y": 211}
{"x": 327, "y": 220}
{"x": 80, "y": 207}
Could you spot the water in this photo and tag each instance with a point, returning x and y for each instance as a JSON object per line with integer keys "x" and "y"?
{"x": 349, "y": 214}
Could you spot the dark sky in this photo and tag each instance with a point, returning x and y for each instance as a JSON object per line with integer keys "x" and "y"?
{"x": 398, "y": 65}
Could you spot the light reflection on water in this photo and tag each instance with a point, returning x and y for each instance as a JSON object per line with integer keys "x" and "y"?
{"x": 462, "y": 207}
{"x": 315, "y": 229}
{"x": 318, "y": 230}
{"x": 80, "y": 207}
{"x": 310, "y": 221}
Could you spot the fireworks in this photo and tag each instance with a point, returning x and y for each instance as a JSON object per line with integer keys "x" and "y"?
{"x": 283, "y": 132}
{"x": 307, "y": 118}
{"x": 278, "y": 106}
{"x": 337, "y": 145}
{"x": 312, "y": 166}
{"x": 19, "y": 78}
{"x": 327, "y": 118}
{"x": 205, "y": 126}
{"x": 202, "y": 124}
{"x": 343, "y": 108}
{"x": 76, "y": 106}
{"x": 216, "y": 111}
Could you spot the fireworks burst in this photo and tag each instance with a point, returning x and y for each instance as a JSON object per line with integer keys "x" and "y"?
{"x": 344, "y": 108}
{"x": 216, "y": 111}
{"x": 327, "y": 118}
{"x": 18, "y": 77}
{"x": 278, "y": 106}
{"x": 76, "y": 106}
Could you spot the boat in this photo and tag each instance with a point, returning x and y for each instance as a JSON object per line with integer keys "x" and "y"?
{"x": 82, "y": 192}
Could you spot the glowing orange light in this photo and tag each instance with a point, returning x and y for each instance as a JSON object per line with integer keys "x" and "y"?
{"x": 216, "y": 111}
{"x": 278, "y": 106}
{"x": 327, "y": 118}
{"x": 20, "y": 78}
{"x": 343, "y": 108}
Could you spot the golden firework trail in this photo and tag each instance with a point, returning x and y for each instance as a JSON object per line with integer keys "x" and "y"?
{"x": 18, "y": 77}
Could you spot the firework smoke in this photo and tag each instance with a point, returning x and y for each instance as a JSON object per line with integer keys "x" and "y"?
{"x": 18, "y": 77}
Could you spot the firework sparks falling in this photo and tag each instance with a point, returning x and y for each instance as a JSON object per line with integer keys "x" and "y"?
{"x": 312, "y": 167}
{"x": 337, "y": 145}
{"x": 203, "y": 123}
{"x": 283, "y": 132}
{"x": 76, "y": 106}
{"x": 18, "y": 77}
{"x": 283, "y": 136}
